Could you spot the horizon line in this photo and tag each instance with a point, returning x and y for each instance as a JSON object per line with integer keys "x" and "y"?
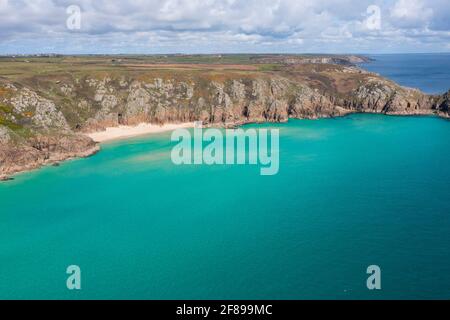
{"x": 217, "y": 53}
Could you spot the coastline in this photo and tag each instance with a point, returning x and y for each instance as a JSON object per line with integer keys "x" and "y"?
{"x": 126, "y": 132}
{"x": 99, "y": 137}
{"x": 52, "y": 161}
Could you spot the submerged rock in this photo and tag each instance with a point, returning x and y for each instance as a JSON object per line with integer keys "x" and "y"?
{"x": 5, "y": 178}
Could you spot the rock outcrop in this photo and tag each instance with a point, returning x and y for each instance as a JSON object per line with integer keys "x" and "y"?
{"x": 42, "y": 150}
{"x": 41, "y": 112}
{"x": 442, "y": 104}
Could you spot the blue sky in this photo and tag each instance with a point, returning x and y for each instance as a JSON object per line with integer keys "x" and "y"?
{"x": 224, "y": 26}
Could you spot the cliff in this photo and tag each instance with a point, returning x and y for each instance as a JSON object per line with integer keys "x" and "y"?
{"x": 43, "y": 115}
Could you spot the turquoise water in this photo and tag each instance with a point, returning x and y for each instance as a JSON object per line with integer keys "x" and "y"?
{"x": 429, "y": 72}
{"x": 351, "y": 192}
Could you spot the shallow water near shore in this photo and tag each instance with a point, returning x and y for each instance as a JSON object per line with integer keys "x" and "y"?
{"x": 351, "y": 192}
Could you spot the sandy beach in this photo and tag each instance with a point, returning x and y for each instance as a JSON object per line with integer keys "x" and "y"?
{"x": 123, "y": 132}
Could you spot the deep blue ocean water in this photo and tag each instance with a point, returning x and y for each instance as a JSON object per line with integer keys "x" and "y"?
{"x": 351, "y": 192}
{"x": 429, "y": 72}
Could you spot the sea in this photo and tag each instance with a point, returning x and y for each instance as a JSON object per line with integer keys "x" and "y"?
{"x": 353, "y": 192}
{"x": 429, "y": 72}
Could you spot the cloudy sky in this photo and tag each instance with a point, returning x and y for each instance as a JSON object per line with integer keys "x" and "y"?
{"x": 227, "y": 26}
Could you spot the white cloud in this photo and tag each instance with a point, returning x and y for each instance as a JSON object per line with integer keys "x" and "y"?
{"x": 411, "y": 13}
{"x": 224, "y": 25}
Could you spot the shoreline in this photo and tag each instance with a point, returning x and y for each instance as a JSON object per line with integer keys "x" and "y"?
{"x": 99, "y": 137}
{"x": 52, "y": 161}
{"x": 126, "y": 132}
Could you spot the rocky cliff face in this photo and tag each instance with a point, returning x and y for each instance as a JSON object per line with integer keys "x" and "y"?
{"x": 41, "y": 150}
{"x": 44, "y": 122}
{"x": 345, "y": 60}
{"x": 443, "y": 104}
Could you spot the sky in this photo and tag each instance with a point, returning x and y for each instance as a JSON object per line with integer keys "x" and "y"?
{"x": 224, "y": 26}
